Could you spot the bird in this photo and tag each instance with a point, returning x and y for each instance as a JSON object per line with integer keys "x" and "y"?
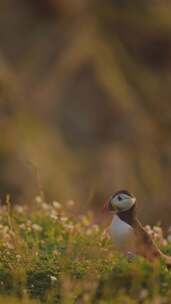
{"x": 127, "y": 232}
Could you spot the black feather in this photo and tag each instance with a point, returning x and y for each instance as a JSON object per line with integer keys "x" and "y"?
{"x": 122, "y": 192}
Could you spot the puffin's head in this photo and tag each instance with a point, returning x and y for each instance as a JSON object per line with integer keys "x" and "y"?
{"x": 120, "y": 201}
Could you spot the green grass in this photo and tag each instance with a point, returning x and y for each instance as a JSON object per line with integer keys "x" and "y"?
{"x": 48, "y": 257}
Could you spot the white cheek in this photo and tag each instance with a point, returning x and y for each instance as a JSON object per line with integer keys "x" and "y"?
{"x": 125, "y": 204}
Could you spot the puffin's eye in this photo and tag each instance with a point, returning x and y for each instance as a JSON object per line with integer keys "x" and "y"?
{"x": 119, "y": 198}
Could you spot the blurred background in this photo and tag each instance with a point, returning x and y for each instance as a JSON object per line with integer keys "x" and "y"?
{"x": 85, "y": 92}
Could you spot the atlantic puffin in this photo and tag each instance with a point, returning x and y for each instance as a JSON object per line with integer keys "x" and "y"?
{"x": 126, "y": 231}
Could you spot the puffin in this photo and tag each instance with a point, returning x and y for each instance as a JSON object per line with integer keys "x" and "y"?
{"x": 127, "y": 232}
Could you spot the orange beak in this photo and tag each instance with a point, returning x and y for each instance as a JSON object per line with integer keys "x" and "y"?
{"x": 106, "y": 205}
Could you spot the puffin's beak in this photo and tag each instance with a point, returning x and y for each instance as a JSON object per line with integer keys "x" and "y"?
{"x": 106, "y": 205}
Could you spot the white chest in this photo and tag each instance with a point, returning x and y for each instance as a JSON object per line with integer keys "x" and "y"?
{"x": 122, "y": 234}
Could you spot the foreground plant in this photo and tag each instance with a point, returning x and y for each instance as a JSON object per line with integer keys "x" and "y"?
{"x": 48, "y": 256}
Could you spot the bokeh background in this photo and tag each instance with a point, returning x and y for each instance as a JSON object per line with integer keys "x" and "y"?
{"x": 85, "y": 93}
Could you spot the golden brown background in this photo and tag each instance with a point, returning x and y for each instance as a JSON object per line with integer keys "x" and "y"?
{"x": 85, "y": 93}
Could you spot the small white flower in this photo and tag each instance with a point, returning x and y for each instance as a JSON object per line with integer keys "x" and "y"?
{"x": 19, "y": 209}
{"x": 156, "y": 236}
{"x": 64, "y": 218}
{"x": 157, "y": 229}
{"x": 9, "y": 245}
{"x": 37, "y": 227}
{"x": 22, "y": 226}
{"x": 45, "y": 206}
{"x": 143, "y": 294}
{"x": 18, "y": 257}
{"x": 148, "y": 229}
{"x": 53, "y": 215}
{"x": 89, "y": 231}
{"x": 56, "y": 205}
{"x": 70, "y": 203}
{"x": 53, "y": 278}
{"x": 69, "y": 227}
{"x": 38, "y": 199}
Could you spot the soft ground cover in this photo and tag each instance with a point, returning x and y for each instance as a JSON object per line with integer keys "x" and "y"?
{"x": 48, "y": 256}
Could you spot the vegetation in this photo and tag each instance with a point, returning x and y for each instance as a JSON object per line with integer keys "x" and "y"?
{"x": 84, "y": 110}
{"x": 49, "y": 256}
